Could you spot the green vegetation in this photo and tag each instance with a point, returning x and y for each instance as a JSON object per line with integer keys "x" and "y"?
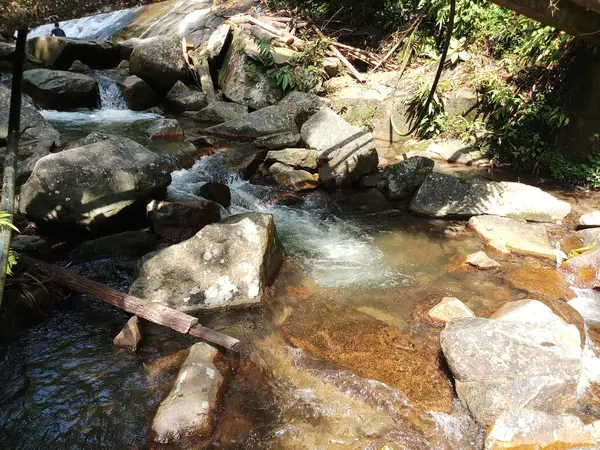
{"x": 5, "y": 221}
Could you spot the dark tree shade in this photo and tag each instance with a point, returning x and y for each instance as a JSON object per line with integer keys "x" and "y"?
{"x": 19, "y": 14}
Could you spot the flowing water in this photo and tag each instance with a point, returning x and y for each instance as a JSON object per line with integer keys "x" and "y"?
{"x": 354, "y": 360}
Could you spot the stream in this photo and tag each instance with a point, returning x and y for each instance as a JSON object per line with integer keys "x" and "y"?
{"x": 362, "y": 280}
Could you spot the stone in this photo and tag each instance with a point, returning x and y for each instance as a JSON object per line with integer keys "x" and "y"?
{"x": 60, "y": 53}
{"x": 452, "y": 151}
{"x": 450, "y": 308}
{"x": 244, "y": 82}
{"x": 185, "y": 418}
{"x": 278, "y": 141}
{"x": 30, "y": 244}
{"x": 244, "y": 160}
{"x": 591, "y": 219}
{"x": 298, "y": 158}
{"x": 371, "y": 349}
{"x": 179, "y": 221}
{"x": 541, "y": 282}
{"x": 219, "y": 112}
{"x": 129, "y": 244}
{"x": 443, "y": 195}
{"x": 181, "y": 98}
{"x": 217, "y": 42}
{"x": 217, "y": 192}
{"x": 278, "y": 168}
{"x": 524, "y": 356}
{"x": 130, "y": 336}
{"x": 584, "y": 269}
{"x": 369, "y": 201}
{"x": 301, "y": 106}
{"x": 89, "y": 184}
{"x": 124, "y": 65}
{"x": 159, "y": 62}
{"x": 55, "y": 89}
{"x": 227, "y": 264}
{"x": 371, "y": 181}
{"x": 296, "y": 180}
{"x": 525, "y": 428}
{"x": 520, "y": 238}
{"x": 138, "y": 95}
{"x": 264, "y": 122}
{"x": 79, "y": 67}
{"x": 405, "y": 177}
{"x": 589, "y": 236}
{"x": 481, "y": 261}
{"x": 165, "y": 130}
{"x": 346, "y": 153}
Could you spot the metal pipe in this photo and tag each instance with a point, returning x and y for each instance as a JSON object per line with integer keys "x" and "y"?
{"x": 7, "y": 202}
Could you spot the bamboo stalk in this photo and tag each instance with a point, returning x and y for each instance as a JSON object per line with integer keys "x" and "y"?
{"x": 153, "y": 312}
{"x": 341, "y": 57}
{"x": 7, "y": 203}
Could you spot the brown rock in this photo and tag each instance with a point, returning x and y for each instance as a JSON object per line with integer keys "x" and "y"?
{"x": 296, "y": 180}
{"x": 585, "y": 269}
{"x": 178, "y": 221}
{"x": 373, "y": 350}
{"x": 130, "y": 336}
{"x": 541, "y": 282}
{"x": 217, "y": 192}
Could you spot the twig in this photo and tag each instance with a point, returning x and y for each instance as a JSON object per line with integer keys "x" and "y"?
{"x": 341, "y": 57}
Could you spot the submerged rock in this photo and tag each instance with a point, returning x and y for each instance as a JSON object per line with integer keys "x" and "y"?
{"x": 182, "y": 98}
{"x": 88, "y": 184}
{"x": 443, "y": 195}
{"x": 186, "y": 417}
{"x": 540, "y": 282}
{"x": 129, "y": 244}
{"x": 227, "y": 264}
{"x": 298, "y": 158}
{"x": 585, "y": 269}
{"x": 130, "y": 336}
{"x": 60, "y": 90}
{"x": 405, "y": 177}
{"x": 524, "y": 428}
{"x": 591, "y": 219}
{"x": 524, "y": 356}
{"x": 219, "y": 112}
{"x": 178, "y": 221}
{"x": 481, "y": 261}
{"x": 159, "y": 62}
{"x": 506, "y": 235}
{"x": 450, "y": 308}
{"x": 346, "y": 153}
{"x": 138, "y": 95}
{"x": 165, "y": 130}
{"x": 264, "y": 122}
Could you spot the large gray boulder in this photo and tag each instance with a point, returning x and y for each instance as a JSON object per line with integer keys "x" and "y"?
{"x": 88, "y": 184}
{"x": 219, "y": 112}
{"x": 159, "y": 62}
{"x": 443, "y": 195}
{"x": 264, "y": 122}
{"x": 524, "y": 356}
{"x": 61, "y": 90}
{"x": 346, "y": 152}
{"x": 405, "y": 177}
{"x": 186, "y": 417}
{"x": 181, "y": 98}
{"x": 227, "y": 264}
{"x": 60, "y": 53}
{"x": 138, "y": 95}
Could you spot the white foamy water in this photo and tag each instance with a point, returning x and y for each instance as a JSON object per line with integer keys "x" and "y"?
{"x": 101, "y": 26}
{"x": 334, "y": 252}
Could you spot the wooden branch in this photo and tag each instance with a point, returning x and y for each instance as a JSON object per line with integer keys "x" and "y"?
{"x": 265, "y": 26}
{"x": 388, "y": 54}
{"x": 341, "y": 57}
{"x": 153, "y": 312}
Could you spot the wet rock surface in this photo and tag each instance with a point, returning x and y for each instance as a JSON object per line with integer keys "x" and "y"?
{"x": 584, "y": 269}
{"x": 178, "y": 221}
{"x": 540, "y": 282}
{"x": 482, "y": 261}
{"x": 130, "y": 336}
{"x": 405, "y": 177}
{"x": 165, "y": 130}
{"x": 182, "y": 98}
{"x": 138, "y": 95}
{"x": 217, "y": 192}
{"x": 228, "y": 264}
{"x": 60, "y": 90}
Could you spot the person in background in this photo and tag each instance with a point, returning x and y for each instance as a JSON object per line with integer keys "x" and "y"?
{"x": 57, "y": 31}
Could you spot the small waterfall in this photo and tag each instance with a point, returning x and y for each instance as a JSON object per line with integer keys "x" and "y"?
{"x": 102, "y": 26}
{"x": 111, "y": 97}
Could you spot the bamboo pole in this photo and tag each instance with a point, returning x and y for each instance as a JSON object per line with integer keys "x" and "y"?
{"x": 153, "y": 312}
{"x": 7, "y": 203}
{"x": 341, "y": 57}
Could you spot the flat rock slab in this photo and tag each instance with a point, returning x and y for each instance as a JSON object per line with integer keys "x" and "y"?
{"x": 540, "y": 282}
{"x": 185, "y": 417}
{"x": 520, "y": 238}
{"x": 591, "y": 219}
{"x": 524, "y": 356}
{"x": 443, "y": 195}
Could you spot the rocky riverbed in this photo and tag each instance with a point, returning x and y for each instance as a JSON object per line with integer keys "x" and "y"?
{"x": 384, "y": 300}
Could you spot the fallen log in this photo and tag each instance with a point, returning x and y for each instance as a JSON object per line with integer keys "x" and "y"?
{"x": 341, "y": 57}
{"x": 153, "y": 312}
{"x": 200, "y": 61}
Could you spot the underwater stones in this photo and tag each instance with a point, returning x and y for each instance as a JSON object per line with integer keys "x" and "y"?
{"x": 217, "y": 192}
{"x": 540, "y": 282}
{"x": 60, "y": 90}
{"x": 130, "y": 336}
{"x": 405, "y": 177}
{"x": 584, "y": 269}
{"x": 371, "y": 349}
{"x": 346, "y": 153}
{"x": 443, "y": 195}
{"x": 481, "y": 261}
{"x": 524, "y": 356}
{"x": 296, "y": 180}
{"x": 219, "y": 112}
{"x": 138, "y": 95}
{"x": 165, "y": 130}
{"x": 227, "y": 264}
{"x": 297, "y": 158}
{"x": 87, "y": 185}
{"x": 182, "y": 98}
{"x": 591, "y": 219}
{"x": 178, "y": 221}
{"x": 450, "y": 308}
{"x": 129, "y": 244}
{"x": 185, "y": 418}
{"x": 509, "y": 236}
{"x": 524, "y": 428}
